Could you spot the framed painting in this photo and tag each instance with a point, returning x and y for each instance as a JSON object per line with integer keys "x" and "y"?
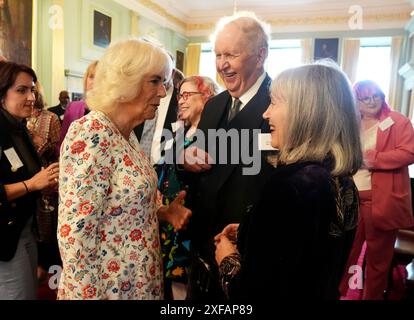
{"x": 326, "y": 49}
{"x": 102, "y": 29}
{"x": 16, "y": 30}
{"x": 179, "y": 64}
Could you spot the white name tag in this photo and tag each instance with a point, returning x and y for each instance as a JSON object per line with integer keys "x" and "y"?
{"x": 265, "y": 142}
{"x": 384, "y": 125}
{"x": 14, "y": 159}
{"x": 169, "y": 144}
{"x": 177, "y": 125}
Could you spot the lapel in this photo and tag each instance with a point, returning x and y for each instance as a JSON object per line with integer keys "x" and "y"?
{"x": 215, "y": 109}
{"x": 383, "y": 136}
{"x": 250, "y": 117}
{"x": 6, "y": 142}
{"x": 172, "y": 111}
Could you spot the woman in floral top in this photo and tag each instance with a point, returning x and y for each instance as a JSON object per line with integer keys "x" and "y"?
{"x": 109, "y": 208}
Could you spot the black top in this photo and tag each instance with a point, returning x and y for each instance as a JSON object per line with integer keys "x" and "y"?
{"x": 59, "y": 111}
{"x": 289, "y": 242}
{"x": 15, "y": 214}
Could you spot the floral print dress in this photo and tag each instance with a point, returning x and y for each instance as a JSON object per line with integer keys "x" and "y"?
{"x": 108, "y": 227}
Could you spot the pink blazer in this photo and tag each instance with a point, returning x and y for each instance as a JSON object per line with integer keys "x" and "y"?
{"x": 74, "y": 111}
{"x": 391, "y": 189}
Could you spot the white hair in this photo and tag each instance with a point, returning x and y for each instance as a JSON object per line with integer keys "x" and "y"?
{"x": 257, "y": 32}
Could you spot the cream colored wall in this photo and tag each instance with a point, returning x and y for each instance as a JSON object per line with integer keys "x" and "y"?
{"x": 171, "y": 40}
{"x": 61, "y": 55}
{"x": 49, "y": 52}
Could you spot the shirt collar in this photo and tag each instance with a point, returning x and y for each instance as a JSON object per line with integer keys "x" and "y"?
{"x": 249, "y": 94}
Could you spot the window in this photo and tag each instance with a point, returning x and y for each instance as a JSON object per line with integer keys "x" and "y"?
{"x": 283, "y": 54}
{"x": 207, "y": 61}
{"x": 374, "y": 62}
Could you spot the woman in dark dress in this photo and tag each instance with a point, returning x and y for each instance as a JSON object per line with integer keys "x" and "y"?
{"x": 21, "y": 177}
{"x": 295, "y": 240}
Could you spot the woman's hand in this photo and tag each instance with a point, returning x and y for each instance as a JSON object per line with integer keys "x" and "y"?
{"x": 176, "y": 213}
{"x": 230, "y": 231}
{"x": 45, "y": 178}
{"x": 224, "y": 247}
{"x": 369, "y": 158}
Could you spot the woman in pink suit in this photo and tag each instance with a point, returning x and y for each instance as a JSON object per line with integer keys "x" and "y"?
{"x": 384, "y": 187}
{"x": 77, "y": 109}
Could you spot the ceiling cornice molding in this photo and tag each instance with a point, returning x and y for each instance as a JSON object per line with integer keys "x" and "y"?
{"x": 162, "y": 12}
{"x": 314, "y": 20}
{"x": 338, "y": 19}
{"x": 207, "y": 27}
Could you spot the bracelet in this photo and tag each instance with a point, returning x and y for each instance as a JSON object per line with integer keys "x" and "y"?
{"x": 25, "y": 185}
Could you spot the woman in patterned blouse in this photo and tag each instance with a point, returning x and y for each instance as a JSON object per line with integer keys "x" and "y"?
{"x": 109, "y": 207}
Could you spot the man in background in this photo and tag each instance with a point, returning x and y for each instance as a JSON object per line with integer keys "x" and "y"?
{"x": 64, "y": 100}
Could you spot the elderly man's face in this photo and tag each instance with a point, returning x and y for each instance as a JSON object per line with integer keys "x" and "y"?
{"x": 237, "y": 63}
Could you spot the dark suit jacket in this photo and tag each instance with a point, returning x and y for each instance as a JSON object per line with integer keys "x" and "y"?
{"x": 58, "y": 110}
{"x": 223, "y": 194}
{"x": 287, "y": 247}
{"x": 171, "y": 116}
{"x": 14, "y": 214}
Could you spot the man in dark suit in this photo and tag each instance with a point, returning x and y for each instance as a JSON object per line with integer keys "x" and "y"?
{"x": 166, "y": 115}
{"x": 222, "y": 193}
{"x": 64, "y": 100}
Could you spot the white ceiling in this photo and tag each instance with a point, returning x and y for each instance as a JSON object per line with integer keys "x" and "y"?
{"x": 195, "y": 17}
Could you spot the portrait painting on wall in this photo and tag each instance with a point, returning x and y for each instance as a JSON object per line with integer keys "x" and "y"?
{"x": 180, "y": 61}
{"x": 101, "y": 29}
{"x": 77, "y": 96}
{"x": 326, "y": 49}
{"x": 16, "y": 30}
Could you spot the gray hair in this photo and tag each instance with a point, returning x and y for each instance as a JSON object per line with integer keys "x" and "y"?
{"x": 257, "y": 32}
{"x": 322, "y": 120}
{"x": 121, "y": 71}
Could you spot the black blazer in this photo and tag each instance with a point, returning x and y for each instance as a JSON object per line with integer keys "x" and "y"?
{"x": 286, "y": 242}
{"x": 58, "y": 110}
{"x": 171, "y": 116}
{"x": 223, "y": 194}
{"x": 14, "y": 214}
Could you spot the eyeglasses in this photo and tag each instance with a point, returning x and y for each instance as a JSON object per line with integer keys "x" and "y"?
{"x": 185, "y": 95}
{"x": 376, "y": 97}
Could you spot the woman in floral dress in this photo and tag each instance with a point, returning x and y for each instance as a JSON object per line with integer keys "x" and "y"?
{"x": 109, "y": 207}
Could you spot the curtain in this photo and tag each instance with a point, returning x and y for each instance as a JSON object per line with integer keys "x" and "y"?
{"x": 192, "y": 66}
{"x": 350, "y": 56}
{"x": 396, "y": 81}
{"x": 307, "y": 52}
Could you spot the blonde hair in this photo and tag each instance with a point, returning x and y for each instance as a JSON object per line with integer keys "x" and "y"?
{"x": 91, "y": 69}
{"x": 322, "y": 119}
{"x": 120, "y": 73}
{"x": 256, "y": 31}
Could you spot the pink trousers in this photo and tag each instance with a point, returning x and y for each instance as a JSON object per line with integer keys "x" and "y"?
{"x": 378, "y": 255}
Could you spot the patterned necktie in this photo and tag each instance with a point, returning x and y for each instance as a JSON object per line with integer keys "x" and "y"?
{"x": 235, "y": 109}
{"x": 148, "y": 135}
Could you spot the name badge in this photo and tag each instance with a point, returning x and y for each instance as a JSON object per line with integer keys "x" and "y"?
{"x": 177, "y": 125}
{"x": 169, "y": 144}
{"x": 14, "y": 159}
{"x": 384, "y": 125}
{"x": 265, "y": 142}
